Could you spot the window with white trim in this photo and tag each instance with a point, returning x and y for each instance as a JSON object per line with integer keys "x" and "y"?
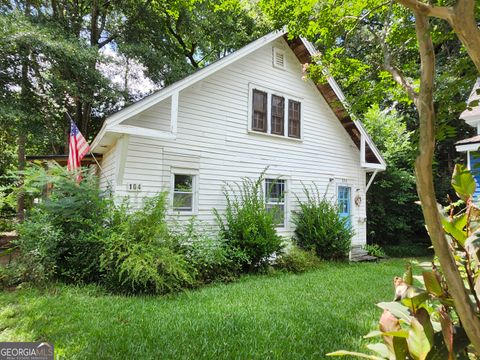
{"x": 275, "y": 200}
{"x": 259, "y": 112}
{"x": 275, "y": 114}
{"x": 183, "y": 192}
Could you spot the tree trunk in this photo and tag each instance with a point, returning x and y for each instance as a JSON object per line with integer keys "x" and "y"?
{"x": 21, "y": 166}
{"x": 465, "y": 26}
{"x": 425, "y": 185}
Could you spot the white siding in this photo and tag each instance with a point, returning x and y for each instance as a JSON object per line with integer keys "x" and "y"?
{"x": 213, "y": 140}
{"x": 157, "y": 117}
{"x": 107, "y": 173}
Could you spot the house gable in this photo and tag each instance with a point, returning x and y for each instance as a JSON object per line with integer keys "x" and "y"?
{"x": 145, "y": 113}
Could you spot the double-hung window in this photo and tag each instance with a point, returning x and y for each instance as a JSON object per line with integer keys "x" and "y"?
{"x": 275, "y": 113}
{"x": 294, "y": 119}
{"x": 259, "y": 113}
{"x": 275, "y": 200}
{"x": 183, "y": 192}
{"x": 278, "y": 115}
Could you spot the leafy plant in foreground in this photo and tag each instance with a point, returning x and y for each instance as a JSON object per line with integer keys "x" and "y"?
{"x": 425, "y": 325}
{"x": 320, "y": 228}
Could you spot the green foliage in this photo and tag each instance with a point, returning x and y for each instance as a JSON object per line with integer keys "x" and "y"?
{"x": 210, "y": 256}
{"x": 403, "y": 250}
{"x": 374, "y": 250}
{"x": 246, "y": 224}
{"x": 64, "y": 229}
{"x": 297, "y": 260}
{"x": 140, "y": 256}
{"x": 392, "y": 215}
{"x": 424, "y": 323}
{"x": 320, "y": 228}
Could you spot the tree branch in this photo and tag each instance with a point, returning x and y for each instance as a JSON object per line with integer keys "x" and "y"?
{"x": 425, "y": 185}
{"x": 421, "y": 8}
{"x": 397, "y": 75}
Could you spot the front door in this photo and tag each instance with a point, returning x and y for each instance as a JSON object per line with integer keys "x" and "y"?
{"x": 344, "y": 196}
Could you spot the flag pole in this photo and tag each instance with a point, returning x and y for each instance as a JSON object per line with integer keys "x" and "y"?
{"x": 94, "y": 158}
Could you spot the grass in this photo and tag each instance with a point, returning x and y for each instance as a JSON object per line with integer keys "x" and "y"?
{"x": 282, "y": 316}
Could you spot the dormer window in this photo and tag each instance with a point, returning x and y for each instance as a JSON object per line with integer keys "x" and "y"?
{"x": 279, "y": 58}
{"x": 274, "y": 113}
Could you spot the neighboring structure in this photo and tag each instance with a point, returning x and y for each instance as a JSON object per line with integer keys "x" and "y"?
{"x": 471, "y": 145}
{"x": 250, "y": 110}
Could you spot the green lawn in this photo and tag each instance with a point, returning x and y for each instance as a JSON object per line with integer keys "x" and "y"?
{"x": 259, "y": 317}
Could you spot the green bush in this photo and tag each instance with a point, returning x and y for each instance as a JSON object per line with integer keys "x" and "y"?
{"x": 209, "y": 255}
{"x": 320, "y": 228}
{"x": 65, "y": 228}
{"x": 247, "y": 226}
{"x": 140, "y": 256}
{"x": 297, "y": 260}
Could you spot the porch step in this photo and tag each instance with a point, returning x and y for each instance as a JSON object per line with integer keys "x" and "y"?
{"x": 358, "y": 254}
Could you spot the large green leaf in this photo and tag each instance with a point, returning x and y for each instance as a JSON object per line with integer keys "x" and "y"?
{"x": 381, "y": 349}
{"x": 456, "y": 227}
{"x": 432, "y": 283}
{"x": 463, "y": 182}
{"x": 401, "y": 348}
{"x": 353, "y": 353}
{"x": 418, "y": 343}
{"x": 414, "y": 297}
{"x": 397, "y": 309}
{"x": 408, "y": 275}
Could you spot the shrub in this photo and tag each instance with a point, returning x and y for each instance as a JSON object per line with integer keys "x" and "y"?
{"x": 297, "y": 260}
{"x": 247, "y": 226}
{"x": 320, "y": 228}
{"x": 210, "y": 256}
{"x": 65, "y": 228}
{"x": 140, "y": 256}
{"x": 374, "y": 250}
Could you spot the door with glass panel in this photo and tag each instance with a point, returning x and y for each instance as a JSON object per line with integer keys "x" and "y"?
{"x": 344, "y": 199}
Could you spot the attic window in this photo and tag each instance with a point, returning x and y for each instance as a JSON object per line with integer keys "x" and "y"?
{"x": 279, "y": 60}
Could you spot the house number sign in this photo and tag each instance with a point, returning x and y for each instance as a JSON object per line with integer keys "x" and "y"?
{"x": 134, "y": 187}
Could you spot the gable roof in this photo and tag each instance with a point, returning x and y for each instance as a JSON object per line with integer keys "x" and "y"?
{"x": 474, "y": 112}
{"x": 303, "y": 50}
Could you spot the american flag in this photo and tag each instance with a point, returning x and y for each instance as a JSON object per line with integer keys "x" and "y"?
{"x": 77, "y": 148}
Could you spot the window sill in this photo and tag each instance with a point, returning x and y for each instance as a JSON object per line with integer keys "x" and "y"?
{"x": 283, "y": 137}
{"x": 181, "y": 213}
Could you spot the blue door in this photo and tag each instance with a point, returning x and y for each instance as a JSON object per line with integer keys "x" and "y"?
{"x": 344, "y": 196}
{"x": 475, "y": 170}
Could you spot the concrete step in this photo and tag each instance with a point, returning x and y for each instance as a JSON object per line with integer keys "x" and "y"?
{"x": 357, "y": 254}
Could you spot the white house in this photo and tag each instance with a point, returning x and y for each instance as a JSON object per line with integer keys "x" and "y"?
{"x": 471, "y": 145}
{"x": 250, "y": 110}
